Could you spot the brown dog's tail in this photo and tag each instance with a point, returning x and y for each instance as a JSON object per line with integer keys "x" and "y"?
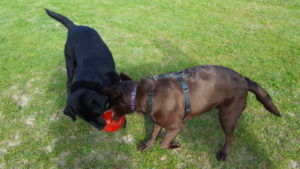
{"x": 60, "y": 18}
{"x": 263, "y": 97}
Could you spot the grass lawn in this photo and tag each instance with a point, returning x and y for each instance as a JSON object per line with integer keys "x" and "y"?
{"x": 260, "y": 39}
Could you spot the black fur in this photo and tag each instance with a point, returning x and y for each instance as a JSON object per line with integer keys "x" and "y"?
{"x": 90, "y": 67}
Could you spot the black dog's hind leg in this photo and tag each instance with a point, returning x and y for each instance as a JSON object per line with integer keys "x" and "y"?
{"x": 70, "y": 65}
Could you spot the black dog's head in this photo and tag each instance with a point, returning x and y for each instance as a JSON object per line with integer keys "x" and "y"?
{"x": 88, "y": 105}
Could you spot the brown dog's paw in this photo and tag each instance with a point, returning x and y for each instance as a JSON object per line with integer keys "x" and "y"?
{"x": 144, "y": 146}
{"x": 221, "y": 155}
{"x": 174, "y": 144}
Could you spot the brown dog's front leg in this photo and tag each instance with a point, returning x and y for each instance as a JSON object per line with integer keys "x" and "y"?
{"x": 167, "y": 141}
{"x": 149, "y": 143}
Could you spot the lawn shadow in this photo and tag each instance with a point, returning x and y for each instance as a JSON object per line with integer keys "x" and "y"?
{"x": 203, "y": 135}
{"x": 79, "y": 145}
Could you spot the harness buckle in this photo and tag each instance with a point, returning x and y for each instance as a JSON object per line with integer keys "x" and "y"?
{"x": 151, "y": 93}
{"x": 186, "y": 90}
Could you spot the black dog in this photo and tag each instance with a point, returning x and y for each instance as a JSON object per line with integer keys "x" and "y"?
{"x": 90, "y": 67}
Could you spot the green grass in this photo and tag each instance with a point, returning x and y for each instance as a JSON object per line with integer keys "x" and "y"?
{"x": 260, "y": 39}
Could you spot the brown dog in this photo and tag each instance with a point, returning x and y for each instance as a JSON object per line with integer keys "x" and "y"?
{"x": 210, "y": 86}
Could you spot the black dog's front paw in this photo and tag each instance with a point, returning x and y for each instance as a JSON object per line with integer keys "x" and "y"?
{"x": 68, "y": 112}
{"x": 221, "y": 155}
{"x": 174, "y": 144}
{"x": 144, "y": 146}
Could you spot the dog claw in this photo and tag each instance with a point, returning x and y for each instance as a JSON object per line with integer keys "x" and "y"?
{"x": 221, "y": 155}
{"x": 144, "y": 146}
{"x": 174, "y": 144}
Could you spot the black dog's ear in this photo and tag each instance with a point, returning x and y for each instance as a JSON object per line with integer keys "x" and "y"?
{"x": 69, "y": 112}
{"x": 113, "y": 76}
{"x": 112, "y": 92}
{"x": 124, "y": 77}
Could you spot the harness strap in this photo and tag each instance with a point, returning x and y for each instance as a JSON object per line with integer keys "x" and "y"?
{"x": 180, "y": 77}
{"x": 186, "y": 92}
{"x": 149, "y": 102}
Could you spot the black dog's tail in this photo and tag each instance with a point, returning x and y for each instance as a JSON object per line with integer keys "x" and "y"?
{"x": 60, "y": 18}
{"x": 263, "y": 97}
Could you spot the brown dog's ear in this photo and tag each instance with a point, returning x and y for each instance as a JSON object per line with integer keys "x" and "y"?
{"x": 147, "y": 84}
{"x": 124, "y": 77}
{"x": 112, "y": 92}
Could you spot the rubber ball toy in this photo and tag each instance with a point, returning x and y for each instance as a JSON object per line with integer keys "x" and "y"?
{"x": 112, "y": 125}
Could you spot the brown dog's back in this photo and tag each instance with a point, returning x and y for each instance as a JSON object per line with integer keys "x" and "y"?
{"x": 210, "y": 86}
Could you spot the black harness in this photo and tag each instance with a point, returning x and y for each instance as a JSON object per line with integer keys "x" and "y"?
{"x": 180, "y": 77}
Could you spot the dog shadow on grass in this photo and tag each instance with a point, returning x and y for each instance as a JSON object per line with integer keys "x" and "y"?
{"x": 203, "y": 134}
{"x": 79, "y": 145}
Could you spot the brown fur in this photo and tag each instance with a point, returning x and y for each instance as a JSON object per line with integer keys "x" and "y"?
{"x": 210, "y": 87}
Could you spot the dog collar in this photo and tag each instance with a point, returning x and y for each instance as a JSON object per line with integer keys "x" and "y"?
{"x": 133, "y": 95}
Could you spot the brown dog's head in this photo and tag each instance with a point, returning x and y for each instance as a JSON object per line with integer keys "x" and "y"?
{"x": 120, "y": 96}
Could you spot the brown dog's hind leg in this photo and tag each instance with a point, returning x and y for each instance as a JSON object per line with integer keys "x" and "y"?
{"x": 149, "y": 143}
{"x": 228, "y": 116}
{"x": 167, "y": 140}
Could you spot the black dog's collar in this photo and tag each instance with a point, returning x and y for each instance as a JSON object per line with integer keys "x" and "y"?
{"x": 86, "y": 85}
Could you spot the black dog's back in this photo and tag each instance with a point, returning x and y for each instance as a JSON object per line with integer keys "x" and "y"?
{"x": 93, "y": 59}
